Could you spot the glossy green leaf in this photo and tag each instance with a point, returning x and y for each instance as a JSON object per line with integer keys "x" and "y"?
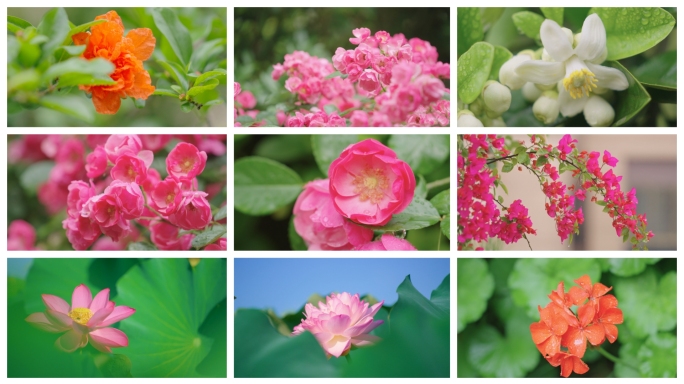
{"x": 469, "y": 28}
{"x": 501, "y": 56}
{"x": 262, "y": 185}
{"x": 490, "y": 15}
{"x": 533, "y": 279}
{"x": 221, "y": 213}
{"x": 165, "y": 92}
{"x": 205, "y": 52}
{"x": 208, "y": 236}
{"x": 528, "y": 23}
{"x": 473, "y": 70}
{"x": 175, "y": 32}
{"x": 630, "y": 31}
{"x": 419, "y": 214}
{"x": 445, "y": 226}
{"x": 176, "y": 73}
{"x": 553, "y": 13}
{"x": 327, "y": 148}
{"x": 203, "y": 78}
{"x": 284, "y": 148}
{"x": 423, "y": 153}
{"x": 475, "y": 287}
{"x": 658, "y": 356}
{"x": 659, "y": 72}
{"x": 421, "y": 187}
{"x": 172, "y": 300}
{"x": 54, "y": 25}
{"x": 206, "y": 86}
{"x": 81, "y": 28}
{"x": 630, "y": 101}
{"x": 442, "y": 201}
{"x": 648, "y": 304}
{"x": 78, "y": 71}
{"x": 58, "y": 277}
{"x": 629, "y": 267}
{"x": 76, "y": 106}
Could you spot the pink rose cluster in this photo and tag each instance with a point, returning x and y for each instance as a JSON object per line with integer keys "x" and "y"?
{"x": 341, "y": 322}
{"x": 367, "y": 185}
{"x": 244, "y": 105}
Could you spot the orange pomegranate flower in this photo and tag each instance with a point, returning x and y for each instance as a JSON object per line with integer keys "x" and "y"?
{"x": 127, "y": 53}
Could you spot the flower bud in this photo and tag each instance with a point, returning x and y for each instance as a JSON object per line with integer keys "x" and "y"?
{"x": 545, "y": 87}
{"x": 598, "y": 113}
{"x": 497, "y": 98}
{"x": 507, "y": 75}
{"x": 547, "y": 107}
{"x": 498, "y": 122}
{"x": 467, "y": 119}
{"x": 530, "y": 92}
{"x": 477, "y": 106}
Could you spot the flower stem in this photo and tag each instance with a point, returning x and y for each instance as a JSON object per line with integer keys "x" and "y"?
{"x": 614, "y": 359}
{"x": 438, "y": 183}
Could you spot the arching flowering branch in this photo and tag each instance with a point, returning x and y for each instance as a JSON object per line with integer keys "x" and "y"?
{"x": 478, "y": 180}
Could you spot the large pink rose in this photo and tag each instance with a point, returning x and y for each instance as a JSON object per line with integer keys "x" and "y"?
{"x": 387, "y": 242}
{"x": 320, "y": 225}
{"x": 185, "y": 161}
{"x": 368, "y": 183}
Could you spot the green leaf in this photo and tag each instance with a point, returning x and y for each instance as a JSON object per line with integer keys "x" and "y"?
{"x": 75, "y": 106}
{"x": 221, "y": 213}
{"x": 440, "y": 297}
{"x": 205, "y": 52}
{"x": 474, "y": 67}
{"x": 208, "y": 236}
{"x": 141, "y": 246}
{"x": 630, "y": 101}
{"x": 28, "y": 80}
{"x": 469, "y": 28}
{"x": 419, "y": 214}
{"x": 528, "y": 23}
{"x": 475, "y": 287}
{"x": 262, "y": 185}
{"x": 501, "y": 56}
{"x": 199, "y": 89}
{"x": 177, "y": 74}
{"x": 649, "y": 305}
{"x": 553, "y": 13}
{"x": 630, "y": 31}
{"x": 172, "y": 301}
{"x": 524, "y": 158}
{"x": 54, "y": 25}
{"x": 73, "y": 50}
{"x": 58, "y": 277}
{"x": 296, "y": 241}
{"x": 423, "y": 153}
{"x": 507, "y": 167}
{"x": 327, "y": 148}
{"x": 78, "y": 71}
{"x": 421, "y": 187}
{"x": 628, "y": 364}
{"x": 209, "y": 75}
{"x": 165, "y": 92}
{"x": 116, "y": 365}
{"x": 442, "y": 202}
{"x": 445, "y": 226}
{"x": 659, "y": 72}
{"x": 533, "y": 279}
{"x": 490, "y": 15}
{"x": 81, "y": 28}
{"x": 261, "y": 351}
{"x": 630, "y": 267}
{"x": 175, "y": 32}
{"x": 284, "y": 148}
{"x": 15, "y": 24}
{"x": 658, "y": 356}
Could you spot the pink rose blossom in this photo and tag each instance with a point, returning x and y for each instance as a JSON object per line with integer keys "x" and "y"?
{"x": 361, "y": 35}
{"x": 165, "y": 237}
{"x": 194, "y": 211}
{"x": 79, "y": 193}
{"x": 166, "y": 196}
{"x": 96, "y": 162}
{"x": 21, "y": 236}
{"x": 237, "y": 89}
{"x": 368, "y": 81}
{"x": 81, "y": 231}
{"x": 387, "y": 242}
{"x": 368, "y": 183}
{"x": 118, "y": 145}
{"x": 130, "y": 169}
{"x": 320, "y": 225}
{"x": 278, "y": 71}
{"x": 85, "y": 320}
{"x": 102, "y": 209}
{"x": 342, "y": 321}
{"x": 359, "y": 119}
{"x": 219, "y": 245}
{"x": 185, "y": 161}
{"x": 155, "y": 142}
{"x": 128, "y": 197}
{"x": 246, "y": 99}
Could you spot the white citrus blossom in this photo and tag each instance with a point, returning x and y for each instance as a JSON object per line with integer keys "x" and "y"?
{"x": 497, "y": 98}
{"x": 467, "y": 119}
{"x": 578, "y": 68}
{"x": 598, "y": 113}
{"x": 546, "y": 107}
{"x": 507, "y": 75}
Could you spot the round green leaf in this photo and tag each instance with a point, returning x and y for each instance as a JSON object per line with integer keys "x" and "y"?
{"x": 501, "y": 56}
{"x": 630, "y": 101}
{"x": 629, "y": 267}
{"x": 78, "y": 107}
{"x": 473, "y": 69}
{"x": 469, "y": 29}
{"x": 208, "y": 236}
{"x": 56, "y": 277}
{"x": 533, "y": 279}
{"x": 35, "y": 175}
{"x": 327, "y": 148}
{"x": 658, "y": 356}
{"x": 475, "y": 287}
{"x": 528, "y": 23}
{"x": 172, "y": 300}
{"x": 659, "y": 72}
{"x": 442, "y": 201}
{"x": 175, "y": 32}
{"x": 262, "y": 185}
{"x": 553, "y": 13}
{"x": 423, "y": 153}
{"x": 419, "y": 214}
{"x": 630, "y": 31}
{"x": 648, "y": 305}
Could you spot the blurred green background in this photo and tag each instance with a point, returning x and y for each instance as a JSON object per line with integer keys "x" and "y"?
{"x": 204, "y": 24}
{"x": 498, "y": 299}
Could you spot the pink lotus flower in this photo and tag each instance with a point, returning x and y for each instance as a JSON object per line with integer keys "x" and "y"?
{"x": 387, "y": 242}
{"x": 344, "y": 320}
{"x": 368, "y": 183}
{"x": 87, "y": 319}
{"x": 185, "y": 161}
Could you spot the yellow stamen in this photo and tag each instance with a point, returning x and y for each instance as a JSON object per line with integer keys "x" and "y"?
{"x": 371, "y": 185}
{"x": 81, "y": 315}
{"x": 580, "y": 83}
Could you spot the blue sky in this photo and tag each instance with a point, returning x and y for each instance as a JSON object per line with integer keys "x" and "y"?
{"x": 284, "y": 284}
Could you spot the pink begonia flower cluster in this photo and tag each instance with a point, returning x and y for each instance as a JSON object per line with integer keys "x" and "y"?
{"x": 122, "y": 187}
{"x": 86, "y": 320}
{"x": 341, "y": 322}
{"x": 367, "y": 185}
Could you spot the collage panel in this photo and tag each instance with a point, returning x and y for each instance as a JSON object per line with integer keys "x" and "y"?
{"x": 342, "y": 67}
{"x": 116, "y": 192}
{"x": 116, "y": 317}
{"x": 342, "y": 192}
{"x": 567, "y": 192}
{"x": 568, "y": 67}
{"x": 117, "y": 67}
{"x": 373, "y": 317}
{"x": 540, "y": 317}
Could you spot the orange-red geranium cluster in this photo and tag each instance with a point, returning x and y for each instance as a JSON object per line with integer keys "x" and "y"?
{"x": 561, "y": 336}
{"x": 127, "y": 53}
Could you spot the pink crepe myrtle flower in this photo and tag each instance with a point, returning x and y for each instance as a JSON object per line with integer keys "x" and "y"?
{"x": 85, "y": 320}
{"x": 185, "y": 161}
{"x": 342, "y": 321}
{"x": 194, "y": 211}
{"x": 320, "y": 225}
{"x": 387, "y": 242}
{"x": 368, "y": 183}
{"x": 21, "y": 236}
